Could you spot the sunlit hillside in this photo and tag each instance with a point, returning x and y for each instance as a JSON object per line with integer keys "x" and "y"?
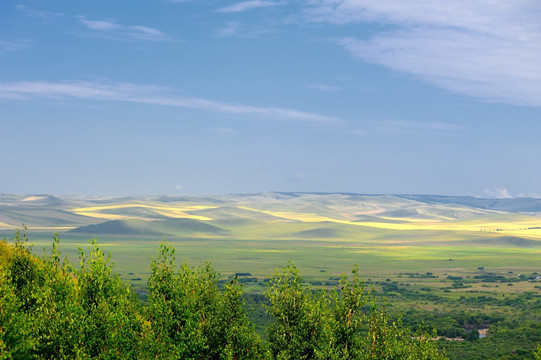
{"x": 300, "y": 215}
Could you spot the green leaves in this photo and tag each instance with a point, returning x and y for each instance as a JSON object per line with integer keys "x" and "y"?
{"x": 298, "y": 328}
{"x": 537, "y": 353}
{"x": 49, "y": 310}
{"x": 192, "y": 317}
{"x": 340, "y": 324}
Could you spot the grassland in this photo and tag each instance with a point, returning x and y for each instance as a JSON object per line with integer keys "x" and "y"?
{"x": 324, "y": 234}
{"x": 453, "y": 262}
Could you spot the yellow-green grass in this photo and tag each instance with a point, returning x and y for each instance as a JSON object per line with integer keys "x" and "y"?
{"x": 318, "y": 260}
{"x": 325, "y": 235}
{"x": 510, "y": 224}
{"x": 107, "y": 211}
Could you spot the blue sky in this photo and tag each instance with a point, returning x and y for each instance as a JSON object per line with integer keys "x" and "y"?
{"x": 213, "y": 97}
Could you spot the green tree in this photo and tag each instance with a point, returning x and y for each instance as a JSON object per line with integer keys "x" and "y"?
{"x": 342, "y": 324}
{"x": 537, "y": 353}
{"x": 49, "y": 310}
{"x": 111, "y": 321}
{"x": 348, "y": 317}
{"x": 298, "y": 330}
{"x": 192, "y": 318}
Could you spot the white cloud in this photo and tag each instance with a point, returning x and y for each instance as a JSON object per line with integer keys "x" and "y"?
{"x": 246, "y": 30}
{"x": 529, "y": 195}
{"x": 497, "y": 193}
{"x": 99, "y": 25}
{"x": 179, "y": 187}
{"x": 39, "y": 13}
{"x": 486, "y": 49}
{"x": 111, "y": 29}
{"x": 147, "y": 30}
{"x": 154, "y": 95}
{"x": 248, "y": 5}
{"x": 105, "y": 28}
{"x": 232, "y": 28}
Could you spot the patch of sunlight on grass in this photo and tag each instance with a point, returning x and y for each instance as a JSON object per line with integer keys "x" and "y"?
{"x": 168, "y": 211}
{"x": 111, "y": 216}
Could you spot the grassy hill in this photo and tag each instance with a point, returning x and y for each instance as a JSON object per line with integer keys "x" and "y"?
{"x": 275, "y": 215}
{"x": 432, "y": 256}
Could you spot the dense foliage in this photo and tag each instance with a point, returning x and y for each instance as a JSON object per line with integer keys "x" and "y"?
{"x": 52, "y": 310}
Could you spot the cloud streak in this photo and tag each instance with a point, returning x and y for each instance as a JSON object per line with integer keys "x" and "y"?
{"x": 104, "y": 28}
{"x": 152, "y": 95}
{"x": 485, "y": 49}
{"x": 118, "y": 31}
{"x": 247, "y": 5}
{"x": 322, "y": 87}
{"x": 39, "y": 13}
{"x": 13, "y": 45}
{"x": 408, "y": 126}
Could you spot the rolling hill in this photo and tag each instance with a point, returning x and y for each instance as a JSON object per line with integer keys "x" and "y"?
{"x": 280, "y": 216}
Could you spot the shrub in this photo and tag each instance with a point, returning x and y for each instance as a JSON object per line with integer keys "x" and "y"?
{"x": 50, "y": 310}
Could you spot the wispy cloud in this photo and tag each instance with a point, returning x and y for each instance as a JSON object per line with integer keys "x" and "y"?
{"x": 503, "y": 193}
{"x": 407, "y": 126}
{"x": 245, "y": 30}
{"x": 222, "y": 130}
{"x": 39, "y": 13}
{"x": 104, "y": 28}
{"x": 529, "y": 195}
{"x": 154, "y": 95}
{"x": 485, "y": 49}
{"x": 112, "y": 29}
{"x": 13, "y": 45}
{"x": 233, "y": 28}
{"x": 497, "y": 193}
{"x": 248, "y": 5}
{"x": 99, "y": 25}
{"x": 323, "y": 87}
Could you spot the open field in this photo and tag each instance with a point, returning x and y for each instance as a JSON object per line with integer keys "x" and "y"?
{"x": 455, "y": 263}
{"x": 324, "y": 234}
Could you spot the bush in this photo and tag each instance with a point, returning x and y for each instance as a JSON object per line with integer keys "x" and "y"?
{"x": 342, "y": 324}
{"x": 49, "y": 310}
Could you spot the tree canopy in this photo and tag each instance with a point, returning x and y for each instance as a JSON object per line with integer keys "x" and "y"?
{"x": 50, "y": 309}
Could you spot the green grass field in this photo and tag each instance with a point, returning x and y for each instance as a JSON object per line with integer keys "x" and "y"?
{"x": 323, "y": 234}
{"x": 455, "y": 263}
{"x": 318, "y": 260}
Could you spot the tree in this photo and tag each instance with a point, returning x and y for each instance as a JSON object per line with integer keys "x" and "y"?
{"x": 298, "y": 330}
{"x": 192, "y": 318}
{"x": 111, "y": 323}
{"x": 342, "y": 324}
{"x": 50, "y": 310}
{"x": 537, "y": 353}
{"x": 473, "y": 335}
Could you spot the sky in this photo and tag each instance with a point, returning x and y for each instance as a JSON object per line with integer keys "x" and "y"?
{"x": 185, "y": 97}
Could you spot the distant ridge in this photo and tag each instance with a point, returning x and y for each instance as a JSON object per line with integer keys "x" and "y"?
{"x": 144, "y": 227}
{"x": 281, "y": 215}
{"x": 511, "y": 204}
{"x": 117, "y": 227}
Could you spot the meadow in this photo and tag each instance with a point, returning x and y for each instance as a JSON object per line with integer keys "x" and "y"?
{"x": 455, "y": 263}
{"x": 323, "y": 234}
